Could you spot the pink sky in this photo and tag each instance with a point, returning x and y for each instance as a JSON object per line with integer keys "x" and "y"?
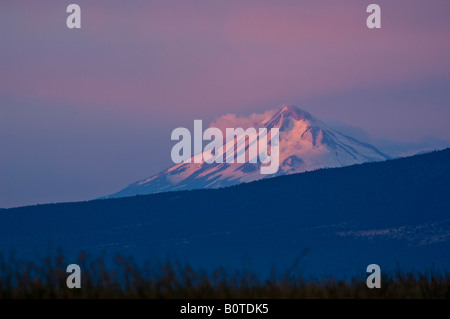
{"x": 194, "y": 53}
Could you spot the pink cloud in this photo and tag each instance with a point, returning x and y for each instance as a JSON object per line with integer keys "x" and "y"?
{"x": 234, "y": 121}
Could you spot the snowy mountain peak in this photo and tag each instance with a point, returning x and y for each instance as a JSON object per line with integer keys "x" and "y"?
{"x": 286, "y": 115}
{"x": 305, "y": 144}
{"x": 294, "y": 112}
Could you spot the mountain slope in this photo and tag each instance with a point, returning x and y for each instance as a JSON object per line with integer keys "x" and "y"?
{"x": 306, "y": 144}
{"x": 390, "y": 212}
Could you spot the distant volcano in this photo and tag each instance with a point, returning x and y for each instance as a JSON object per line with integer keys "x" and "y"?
{"x": 306, "y": 144}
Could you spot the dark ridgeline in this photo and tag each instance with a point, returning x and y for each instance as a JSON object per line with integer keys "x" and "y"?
{"x": 389, "y": 213}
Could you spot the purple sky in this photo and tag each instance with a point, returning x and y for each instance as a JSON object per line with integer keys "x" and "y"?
{"x": 85, "y": 112}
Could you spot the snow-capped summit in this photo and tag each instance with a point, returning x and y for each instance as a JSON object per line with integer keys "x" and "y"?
{"x": 289, "y": 113}
{"x": 306, "y": 144}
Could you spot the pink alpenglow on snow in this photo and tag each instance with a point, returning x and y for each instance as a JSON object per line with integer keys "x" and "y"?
{"x": 305, "y": 144}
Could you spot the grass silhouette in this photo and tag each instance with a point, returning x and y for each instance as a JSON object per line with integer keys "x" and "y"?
{"x": 124, "y": 278}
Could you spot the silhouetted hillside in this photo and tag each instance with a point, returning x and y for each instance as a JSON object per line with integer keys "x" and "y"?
{"x": 397, "y": 211}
